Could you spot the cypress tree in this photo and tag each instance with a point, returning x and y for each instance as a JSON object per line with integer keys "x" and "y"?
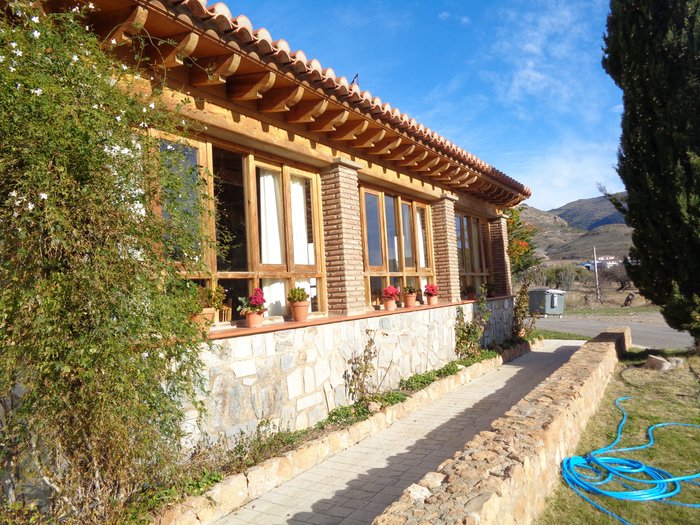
{"x": 652, "y": 52}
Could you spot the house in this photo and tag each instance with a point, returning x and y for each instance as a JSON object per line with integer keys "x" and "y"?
{"x": 326, "y": 187}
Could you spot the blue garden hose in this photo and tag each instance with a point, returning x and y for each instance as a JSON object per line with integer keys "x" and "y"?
{"x": 625, "y": 479}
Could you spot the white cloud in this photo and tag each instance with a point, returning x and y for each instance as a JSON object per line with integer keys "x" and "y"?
{"x": 566, "y": 171}
{"x": 444, "y": 15}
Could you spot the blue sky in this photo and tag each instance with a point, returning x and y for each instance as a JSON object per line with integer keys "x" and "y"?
{"x": 516, "y": 82}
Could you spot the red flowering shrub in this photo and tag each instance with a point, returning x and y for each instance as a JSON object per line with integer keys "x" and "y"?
{"x": 391, "y": 293}
{"x": 432, "y": 290}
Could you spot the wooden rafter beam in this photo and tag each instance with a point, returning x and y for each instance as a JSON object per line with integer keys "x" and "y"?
{"x": 438, "y": 169}
{"x": 385, "y": 146}
{"x": 427, "y": 164}
{"x": 349, "y": 131}
{"x": 250, "y": 86}
{"x": 369, "y": 138}
{"x": 214, "y": 71}
{"x": 133, "y": 25}
{"x": 306, "y": 111}
{"x": 401, "y": 152}
{"x": 172, "y": 53}
{"x": 413, "y": 160}
{"x": 280, "y": 99}
{"x": 329, "y": 120}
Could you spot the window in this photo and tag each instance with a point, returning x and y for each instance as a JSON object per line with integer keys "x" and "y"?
{"x": 473, "y": 249}
{"x": 397, "y": 242}
{"x": 267, "y": 219}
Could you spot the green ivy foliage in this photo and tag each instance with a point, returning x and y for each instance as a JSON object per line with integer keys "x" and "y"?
{"x": 97, "y": 348}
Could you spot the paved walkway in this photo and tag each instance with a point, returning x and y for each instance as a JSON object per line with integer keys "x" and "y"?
{"x": 356, "y": 485}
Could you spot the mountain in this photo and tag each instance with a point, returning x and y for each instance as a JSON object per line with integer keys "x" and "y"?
{"x": 571, "y": 231}
{"x": 588, "y": 214}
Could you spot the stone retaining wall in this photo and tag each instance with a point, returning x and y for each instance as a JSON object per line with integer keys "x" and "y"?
{"x": 237, "y": 490}
{"x": 294, "y": 377}
{"x": 502, "y": 476}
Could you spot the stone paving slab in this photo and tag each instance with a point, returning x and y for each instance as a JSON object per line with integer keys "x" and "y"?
{"x": 356, "y": 485}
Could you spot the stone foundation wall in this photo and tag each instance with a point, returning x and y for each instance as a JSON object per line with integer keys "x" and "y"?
{"x": 502, "y": 476}
{"x": 294, "y": 377}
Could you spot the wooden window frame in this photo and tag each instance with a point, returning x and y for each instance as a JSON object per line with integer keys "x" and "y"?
{"x": 469, "y": 273}
{"x": 416, "y": 272}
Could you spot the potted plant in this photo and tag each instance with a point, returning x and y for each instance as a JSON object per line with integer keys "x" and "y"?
{"x": 432, "y": 291}
{"x": 298, "y": 301}
{"x": 390, "y": 294}
{"x": 253, "y": 308}
{"x": 210, "y": 300}
{"x": 409, "y": 295}
{"x": 470, "y": 291}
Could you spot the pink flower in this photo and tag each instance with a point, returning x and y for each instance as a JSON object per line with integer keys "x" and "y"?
{"x": 432, "y": 290}
{"x": 391, "y": 293}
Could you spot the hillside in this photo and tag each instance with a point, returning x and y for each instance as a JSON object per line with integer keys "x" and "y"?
{"x": 570, "y": 232}
{"x": 588, "y": 214}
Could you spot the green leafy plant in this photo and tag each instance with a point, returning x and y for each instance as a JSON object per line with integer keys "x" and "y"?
{"x": 297, "y": 295}
{"x": 468, "y": 335}
{"x": 523, "y": 323}
{"x": 360, "y": 375}
{"x": 409, "y": 289}
{"x": 211, "y": 297}
{"x": 98, "y": 351}
{"x": 254, "y": 303}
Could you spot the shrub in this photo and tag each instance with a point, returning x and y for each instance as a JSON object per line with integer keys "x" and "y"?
{"x": 297, "y": 295}
{"x": 98, "y": 351}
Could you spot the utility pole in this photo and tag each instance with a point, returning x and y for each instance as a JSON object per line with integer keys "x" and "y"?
{"x": 597, "y": 284}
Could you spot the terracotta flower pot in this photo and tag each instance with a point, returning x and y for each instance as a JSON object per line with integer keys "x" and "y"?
{"x": 300, "y": 310}
{"x": 254, "y": 319}
{"x": 390, "y": 305}
{"x": 432, "y": 300}
{"x": 409, "y": 299}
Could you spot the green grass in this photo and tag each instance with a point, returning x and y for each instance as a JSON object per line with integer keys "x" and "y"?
{"x": 553, "y": 334}
{"x": 613, "y": 310}
{"x": 657, "y": 397}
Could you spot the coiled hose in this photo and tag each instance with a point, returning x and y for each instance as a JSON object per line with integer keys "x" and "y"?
{"x": 622, "y": 478}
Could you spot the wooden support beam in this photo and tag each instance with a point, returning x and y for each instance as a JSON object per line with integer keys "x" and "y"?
{"x": 437, "y": 170}
{"x": 386, "y": 146}
{"x": 250, "y": 86}
{"x": 401, "y": 152}
{"x": 280, "y": 99}
{"x": 306, "y": 111}
{"x": 329, "y": 120}
{"x": 214, "y": 71}
{"x": 350, "y": 130}
{"x": 177, "y": 47}
{"x": 133, "y": 25}
{"x": 427, "y": 164}
{"x": 412, "y": 160}
{"x": 369, "y": 138}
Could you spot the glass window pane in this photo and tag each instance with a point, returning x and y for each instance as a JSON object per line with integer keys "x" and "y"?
{"x": 230, "y": 211}
{"x": 460, "y": 245}
{"x": 422, "y": 238}
{"x": 475, "y": 244}
{"x": 376, "y": 287}
{"x": 233, "y": 288}
{"x": 275, "y": 296}
{"x": 302, "y": 225}
{"x": 270, "y": 216}
{"x": 311, "y": 287}
{"x": 181, "y": 205}
{"x": 374, "y": 246}
{"x": 407, "y": 224}
{"x": 392, "y": 239}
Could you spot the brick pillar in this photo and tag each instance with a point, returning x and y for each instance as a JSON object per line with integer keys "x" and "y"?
{"x": 445, "y": 246}
{"x": 500, "y": 262}
{"x": 342, "y": 236}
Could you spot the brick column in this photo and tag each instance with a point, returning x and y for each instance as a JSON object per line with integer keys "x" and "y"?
{"x": 500, "y": 262}
{"x": 445, "y": 246}
{"x": 342, "y": 236}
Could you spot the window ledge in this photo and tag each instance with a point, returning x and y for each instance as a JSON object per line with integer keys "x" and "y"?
{"x": 277, "y": 323}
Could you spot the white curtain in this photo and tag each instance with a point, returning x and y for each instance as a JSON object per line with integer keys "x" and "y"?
{"x": 275, "y": 296}
{"x": 271, "y": 240}
{"x": 303, "y": 250}
{"x": 421, "y": 240}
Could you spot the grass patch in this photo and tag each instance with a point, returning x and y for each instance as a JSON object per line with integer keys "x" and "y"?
{"x": 657, "y": 397}
{"x": 613, "y": 310}
{"x": 553, "y": 334}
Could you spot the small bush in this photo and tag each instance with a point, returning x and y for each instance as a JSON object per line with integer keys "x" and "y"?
{"x": 418, "y": 381}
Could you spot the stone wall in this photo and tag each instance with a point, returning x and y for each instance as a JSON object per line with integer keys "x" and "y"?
{"x": 294, "y": 377}
{"x": 503, "y": 476}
